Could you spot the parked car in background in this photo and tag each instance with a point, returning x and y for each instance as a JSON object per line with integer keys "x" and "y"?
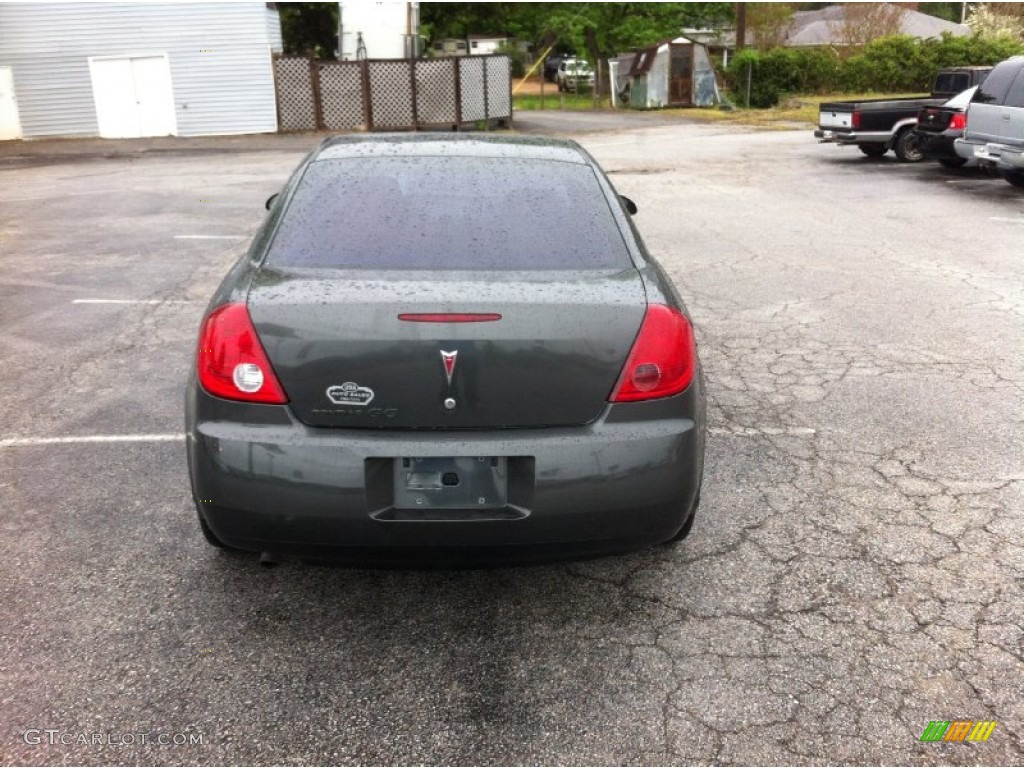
{"x": 877, "y": 125}
{"x": 574, "y": 74}
{"x": 939, "y": 127}
{"x": 416, "y": 361}
{"x": 551, "y": 64}
{"x": 994, "y": 134}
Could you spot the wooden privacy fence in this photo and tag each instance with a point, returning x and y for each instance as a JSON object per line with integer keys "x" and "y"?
{"x": 391, "y": 94}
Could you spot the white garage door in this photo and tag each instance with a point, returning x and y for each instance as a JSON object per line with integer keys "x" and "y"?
{"x": 133, "y": 96}
{"x": 10, "y": 124}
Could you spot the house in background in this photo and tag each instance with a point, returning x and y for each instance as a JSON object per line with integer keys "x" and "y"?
{"x": 132, "y": 70}
{"x": 450, "y": 46}
{"x": 481, "y": 45}
{"x": 476, "y": 45}
{"x": 379, "y": 30}
{"x": 824, "y": 27}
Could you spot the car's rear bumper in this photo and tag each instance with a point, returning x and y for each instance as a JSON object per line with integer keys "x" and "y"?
{"x": 265, "y": 482}
{"x": 966, "y": 148}
{"x": 1002, "y": 156}
{"x": 835, "y": 136}
{"x": 992, "y": 154}
{"x": 938, "y": 145}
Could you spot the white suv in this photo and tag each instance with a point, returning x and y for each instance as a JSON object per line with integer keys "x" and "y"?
{"x": 994, "y": 135}
{"x": 573, "y": 73}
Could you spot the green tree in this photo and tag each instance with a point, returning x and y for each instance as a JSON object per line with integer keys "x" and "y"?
{"x": 768, "y": 24}
{"x": 998, "y": 20}
{"x": 607, "y": 28}
{"x": 946, "y": 11}
{"x": 309, "y": 29}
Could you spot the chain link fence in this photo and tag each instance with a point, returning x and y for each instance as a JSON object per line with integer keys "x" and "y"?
{"x": 392, "y": 94}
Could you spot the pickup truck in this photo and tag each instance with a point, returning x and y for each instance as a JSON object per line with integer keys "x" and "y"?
{"x": 574, "y": 74}
{"x": 877, "y": 125}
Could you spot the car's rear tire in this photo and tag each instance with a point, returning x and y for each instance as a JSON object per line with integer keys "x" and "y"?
{"x": 908, "y": 149}
{"x": 952, "y": 162}
{"x": 1014, "y": 177}
{"x": 872, "y": 150}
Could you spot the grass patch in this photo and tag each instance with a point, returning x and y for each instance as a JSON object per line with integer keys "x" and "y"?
{"x": 792, "y": 111}
{"x": 556, "y": 100}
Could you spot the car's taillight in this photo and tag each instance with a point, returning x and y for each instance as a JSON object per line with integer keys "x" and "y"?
{"x": 663, "y": 358}
{"x": 855, "y": 121}
{"x": 231, "y": 362}
{"x": 959, "y": 121}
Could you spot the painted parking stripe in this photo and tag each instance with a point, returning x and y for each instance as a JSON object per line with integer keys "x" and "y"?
{"x": 133, "y": 301}
{"x": 763, "y": 431}
{"x": 51, "y": 195}
{"x": 1006, "y": 219}
{"x": 17, "y": 442}
{"x": 23, "y": 442}
{"x": 20, "y": 442}
{"x": 210, "y": 237}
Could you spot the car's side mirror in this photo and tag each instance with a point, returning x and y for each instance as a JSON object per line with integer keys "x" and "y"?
{"x": 630, "y": 205}
{"x": 271, "y": 199}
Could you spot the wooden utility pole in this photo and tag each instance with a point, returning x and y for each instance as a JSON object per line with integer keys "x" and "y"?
{"x": 741, "y": 26}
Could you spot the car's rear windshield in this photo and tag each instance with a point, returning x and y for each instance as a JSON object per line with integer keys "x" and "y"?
{"x": 951, "y": 82}
{"x": 457, "y": 213}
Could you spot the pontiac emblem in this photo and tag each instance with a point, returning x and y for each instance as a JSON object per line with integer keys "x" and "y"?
{"x": 448, "y": 358}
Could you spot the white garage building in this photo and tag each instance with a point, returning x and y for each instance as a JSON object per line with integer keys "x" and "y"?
{"x": 137, "y": 69}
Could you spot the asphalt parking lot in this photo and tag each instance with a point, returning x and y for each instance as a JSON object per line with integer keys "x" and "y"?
{"x": 856, "y": 570}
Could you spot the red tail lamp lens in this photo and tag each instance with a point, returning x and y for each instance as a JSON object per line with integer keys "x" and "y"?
{"x": 231, "y": 362}
{"x": 663, "y": 359}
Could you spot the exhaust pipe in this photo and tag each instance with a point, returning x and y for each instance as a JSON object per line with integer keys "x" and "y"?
{"x": 269, "y": 560}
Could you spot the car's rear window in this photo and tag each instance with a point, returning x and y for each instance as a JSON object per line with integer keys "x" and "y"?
{"x": 951, "y": 82}
{"x": 448, "y": 213}
{"x": 994, "y": 89}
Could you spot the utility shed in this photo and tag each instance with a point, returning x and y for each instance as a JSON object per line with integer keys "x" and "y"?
{"x": 674, "y": 73}
{"x": 139, "y": 69}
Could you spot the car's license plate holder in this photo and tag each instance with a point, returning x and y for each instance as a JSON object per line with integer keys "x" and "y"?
{"x": 459, "y": 482}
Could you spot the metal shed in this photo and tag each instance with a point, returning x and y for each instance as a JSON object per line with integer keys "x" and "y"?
{"x": 137, "y": 69}
{"x": 674, "y": 73}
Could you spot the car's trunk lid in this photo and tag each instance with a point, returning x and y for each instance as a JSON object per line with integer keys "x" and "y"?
{"x": 345, "y": 358}
{"x": 934, "y": 119}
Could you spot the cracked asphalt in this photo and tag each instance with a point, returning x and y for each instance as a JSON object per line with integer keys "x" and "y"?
{"x": 855, "y": 571}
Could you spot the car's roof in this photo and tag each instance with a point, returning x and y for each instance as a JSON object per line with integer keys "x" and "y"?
{"x": 451, "y": 145}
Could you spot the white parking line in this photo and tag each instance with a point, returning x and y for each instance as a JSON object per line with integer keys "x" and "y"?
{"x": 20, "y": 442}
{"x": 1007, "y": 219}
{"x": 210, "y": 237}
{"x": 52, "y": 195}
{"x": 133, "y": 301}
{"x": 763, "y": 431}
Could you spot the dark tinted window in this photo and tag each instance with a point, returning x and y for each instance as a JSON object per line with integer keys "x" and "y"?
{"x": 448, "y": 213}
{"x": 951, "y": 82}
{"x": 994, "y": 89}
{"x": 1015, "y": 97}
